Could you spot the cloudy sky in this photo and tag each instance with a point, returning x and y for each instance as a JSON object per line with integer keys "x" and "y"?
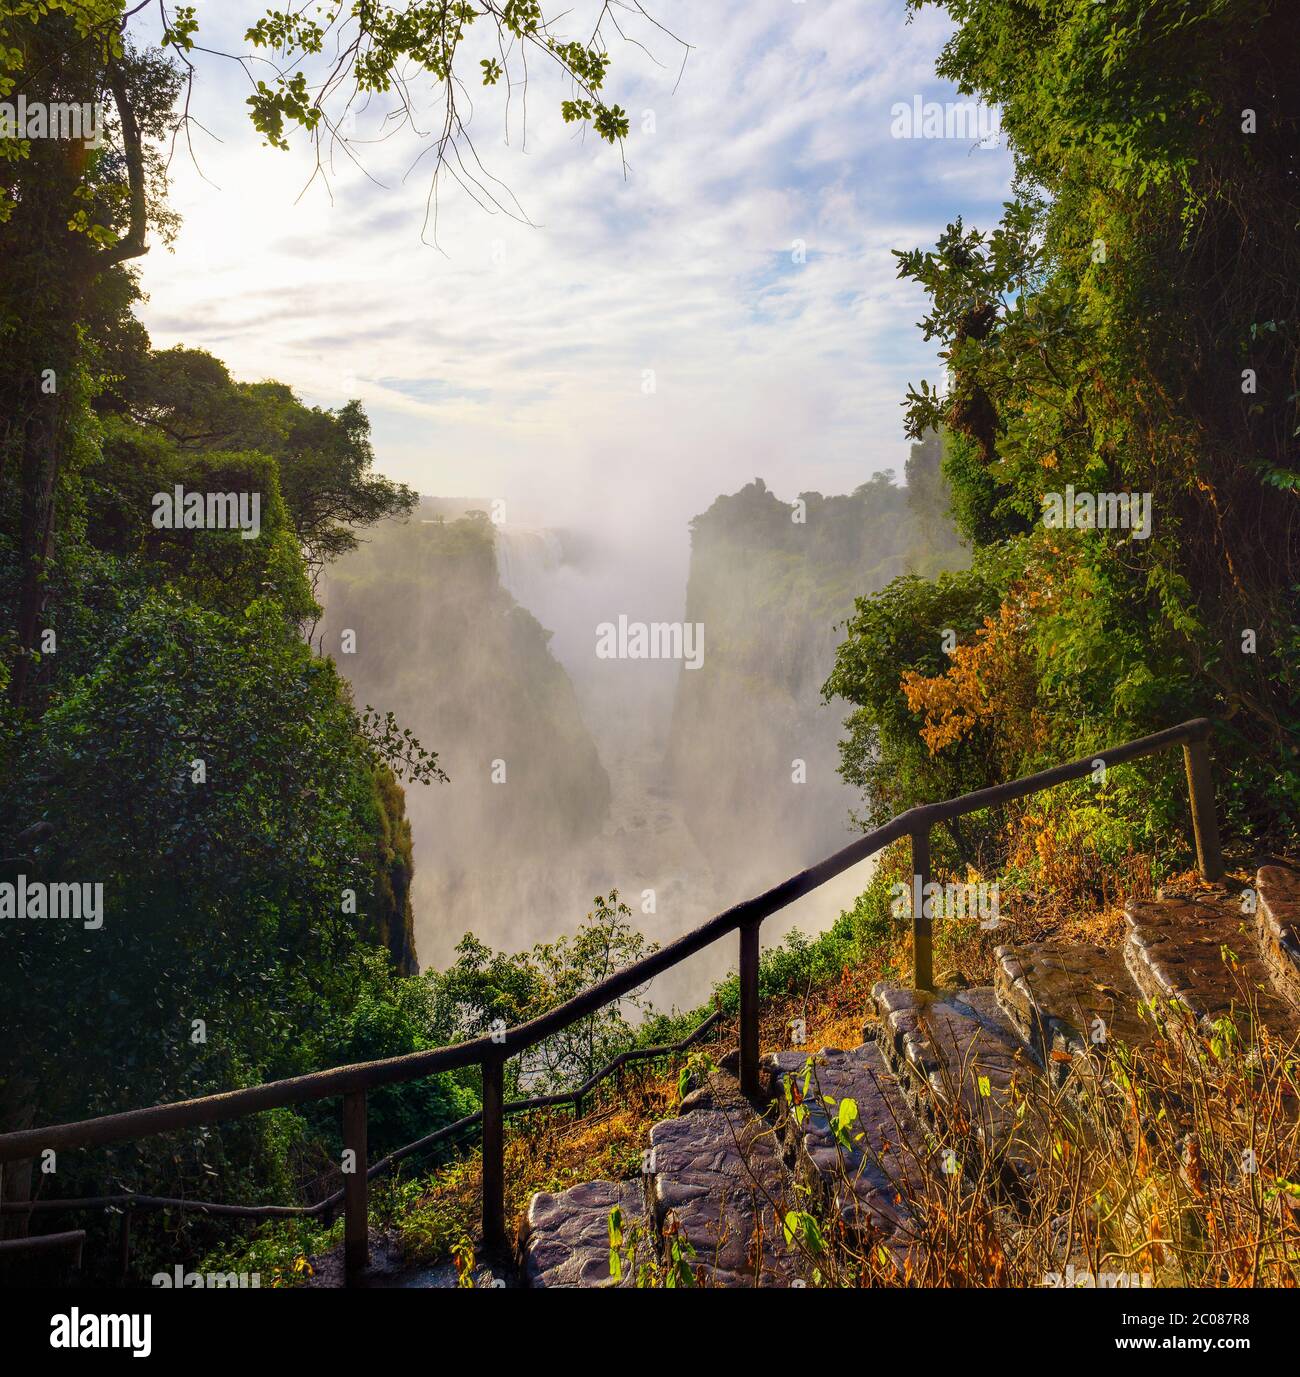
{"x": 512, "y": 360}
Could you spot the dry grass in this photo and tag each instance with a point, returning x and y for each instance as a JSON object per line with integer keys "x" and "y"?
{"x": 1138, "y": 1174}
{"x": 1176, "y": 1165}
{"x": 546, "y": 1150}
{"x": 1134, "y": 1170}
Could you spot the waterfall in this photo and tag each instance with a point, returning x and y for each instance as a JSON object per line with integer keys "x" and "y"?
{"x": 526, "y": 560}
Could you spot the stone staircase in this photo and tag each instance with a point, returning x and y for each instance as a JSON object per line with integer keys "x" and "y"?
{"x": 717, "y": 1178}
{"x": 863, "y": 1176}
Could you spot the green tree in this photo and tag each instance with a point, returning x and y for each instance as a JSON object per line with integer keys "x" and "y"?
{"x": 1130, "y": 326}
{"x": 484, "y": 989}
{"x": 324, "y": 457}
{"x": 71, "y": 216}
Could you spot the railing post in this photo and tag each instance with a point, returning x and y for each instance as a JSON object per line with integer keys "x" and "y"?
{"x": 922, "y": 927}
{"x": 494, "y": 1153}
{"x": 749, "y": 949}
{"x": 356, "y": 1189}
{"x": 1205, "y": 823}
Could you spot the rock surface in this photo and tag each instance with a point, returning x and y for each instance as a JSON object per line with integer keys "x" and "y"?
{"x": 963, "y": 1050}
{"x": 1056, "y": 993}
{"x": 717, "y": 1183}
{"x": 565, "y": 1240}
{"x": 1204, "y": 956}
{"x": 865, "y": 1183}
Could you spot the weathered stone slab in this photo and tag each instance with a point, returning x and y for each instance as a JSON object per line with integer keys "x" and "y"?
{"x": 718, "y": 1181}
{"x": 1277, "y": 890}
{"x": 1056, "y": 993}
{"x": 964, "y": 1051}
{"x": 1175, "y": 951}
{"x": 565, "y": 1239}
{"x": 1195, "y": 891}
{"x": 867, "y": 1183}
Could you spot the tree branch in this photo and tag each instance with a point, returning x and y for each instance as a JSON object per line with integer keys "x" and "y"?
{"x": 133, "y": 243}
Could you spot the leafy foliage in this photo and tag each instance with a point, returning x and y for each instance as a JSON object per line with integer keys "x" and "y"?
{"x": 1130, "y": 326}
{"x": 484, "y": 989}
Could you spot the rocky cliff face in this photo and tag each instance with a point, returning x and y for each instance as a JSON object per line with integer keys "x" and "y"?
{"x": 439, "y": 641}
{"x": 739, "y": 790}
{"x": 394, "y": 869}
{"x": 754, "y": 750}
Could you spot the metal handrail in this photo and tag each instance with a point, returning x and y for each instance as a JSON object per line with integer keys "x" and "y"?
{"x": 491, "y": 1053}
{"x": 573, "y": 1098}
{"x": 126, "y": 1201}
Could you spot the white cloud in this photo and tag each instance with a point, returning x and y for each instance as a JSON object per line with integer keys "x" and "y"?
{"x": 511, "y": 363}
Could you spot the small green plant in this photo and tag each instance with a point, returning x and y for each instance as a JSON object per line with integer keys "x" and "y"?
{"x": 462, "y": 1256}
{"x": 277, "y": 1253}
{"x": 626, "y": 1244}
{"x": 615, "y": 1243}
{"x": 841, "y": 1123}
{"x": 796, "y": 1093}
{"x": 680, "y": 1269}
{"x": 801, "y": 1227}
{"x": 697, "y": 1067}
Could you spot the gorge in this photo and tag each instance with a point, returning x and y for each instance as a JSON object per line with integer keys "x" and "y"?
{"x": 572, "y": 772}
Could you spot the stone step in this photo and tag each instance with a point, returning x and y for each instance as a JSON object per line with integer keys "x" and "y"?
{"x": 867, "y": 1182}
{"x": 1277, "y": 890}
{"x": 565, "y": 1238}
{"x": 958, "y": 1051}
{"x": 718, "y": 1183}
{"x": 1070, "y": 1000}
{"x": 1174, "y": 951}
